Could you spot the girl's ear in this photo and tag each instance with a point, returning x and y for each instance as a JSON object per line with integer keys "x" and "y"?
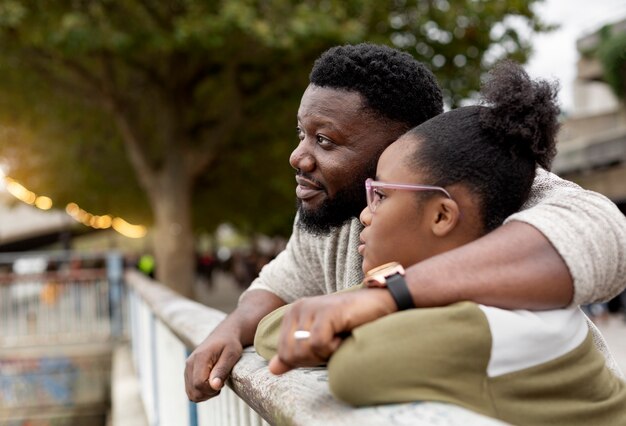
{"x": 445, "y": 218}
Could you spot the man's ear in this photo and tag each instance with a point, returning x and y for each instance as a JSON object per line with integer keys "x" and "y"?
{"x": 445, "y": 218}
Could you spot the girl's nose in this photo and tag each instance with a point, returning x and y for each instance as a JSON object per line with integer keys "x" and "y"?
{"x": 366, "y": 216}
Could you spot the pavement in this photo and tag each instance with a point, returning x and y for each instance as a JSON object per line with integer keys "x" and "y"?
{"x": 222, "y": 293}
{"x": 126, "y": 405}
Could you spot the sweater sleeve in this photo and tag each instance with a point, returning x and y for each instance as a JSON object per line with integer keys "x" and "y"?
{"x": 586, "y": 229}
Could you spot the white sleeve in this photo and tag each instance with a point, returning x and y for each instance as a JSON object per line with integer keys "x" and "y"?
{"x": 586, "y": 229}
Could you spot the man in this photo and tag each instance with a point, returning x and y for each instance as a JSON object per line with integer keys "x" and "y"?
{"x": 362, "y": 98}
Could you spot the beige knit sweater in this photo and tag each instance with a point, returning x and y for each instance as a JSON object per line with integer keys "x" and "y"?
{"x": 586, "y": 228}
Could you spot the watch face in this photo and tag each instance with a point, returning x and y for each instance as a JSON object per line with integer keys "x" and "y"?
{"x": 377, "y": 277}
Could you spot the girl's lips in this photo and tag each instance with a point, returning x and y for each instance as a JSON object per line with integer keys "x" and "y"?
{"x": 361, "y": 247}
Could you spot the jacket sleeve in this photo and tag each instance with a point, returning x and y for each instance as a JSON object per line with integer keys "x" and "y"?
{"x": 587, "y": 230}
{"x": 268, "y": 333}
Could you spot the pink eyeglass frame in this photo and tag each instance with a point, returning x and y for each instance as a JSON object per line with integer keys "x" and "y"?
{"x": 370, "y": 184}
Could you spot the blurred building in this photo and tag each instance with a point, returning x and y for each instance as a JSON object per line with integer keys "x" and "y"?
{"x": 592, "y": 141}
{"x": 23, "y": 227}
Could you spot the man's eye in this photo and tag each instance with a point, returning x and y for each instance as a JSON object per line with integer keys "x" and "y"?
{"x": 324, "y": 142}
{"x": 300, "y": 133}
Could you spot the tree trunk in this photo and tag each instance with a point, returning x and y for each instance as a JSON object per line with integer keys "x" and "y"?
{"x": 173, "y": 237}
{"x": 169, "y": 190}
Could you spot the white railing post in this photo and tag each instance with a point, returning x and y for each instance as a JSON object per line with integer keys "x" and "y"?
{"x": 170, "y": 354}
{"x": 146, "y": 366}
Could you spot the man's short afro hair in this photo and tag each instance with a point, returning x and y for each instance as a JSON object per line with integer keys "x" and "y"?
{"x": 393, "y": 83}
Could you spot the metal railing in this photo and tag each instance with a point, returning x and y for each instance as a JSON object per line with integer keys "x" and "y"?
{"x": 165, "y": 326}
{"x": 160, "y": 348}
{"x": 60, "y": 316}
{"x": 53, "y": 298}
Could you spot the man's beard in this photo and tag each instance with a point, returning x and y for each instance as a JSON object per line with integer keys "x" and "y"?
{"x": 347, "y": 203}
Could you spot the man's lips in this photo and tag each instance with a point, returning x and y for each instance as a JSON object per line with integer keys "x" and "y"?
{"x": 307, "y": 189}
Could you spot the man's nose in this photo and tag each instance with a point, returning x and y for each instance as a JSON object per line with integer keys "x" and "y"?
{"x": 366, "y": 216}
{"x": 302, "y": 159}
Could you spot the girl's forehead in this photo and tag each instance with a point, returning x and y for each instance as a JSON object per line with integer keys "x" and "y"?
{"x": 395, "y": 158}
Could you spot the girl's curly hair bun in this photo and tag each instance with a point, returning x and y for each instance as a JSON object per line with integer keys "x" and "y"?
{"x": 522, "y": 112}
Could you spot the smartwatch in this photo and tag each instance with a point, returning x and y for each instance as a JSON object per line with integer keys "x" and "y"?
{"x": 391, "y": 276}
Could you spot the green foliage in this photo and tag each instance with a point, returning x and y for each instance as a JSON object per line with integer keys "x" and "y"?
{"x": 65, "y": 147}
{"x": 612, "y": 54}
{"x": 103, "y": 97}
{"x": 462, "y": 39}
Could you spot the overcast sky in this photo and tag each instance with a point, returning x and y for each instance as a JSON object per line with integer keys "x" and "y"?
{"x": 555, "y": 53}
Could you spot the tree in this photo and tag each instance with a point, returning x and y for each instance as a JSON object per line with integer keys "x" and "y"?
{"x": 611, "y": 52}
{"x": 201, "y": 92}
{"x": 463, "y": 39}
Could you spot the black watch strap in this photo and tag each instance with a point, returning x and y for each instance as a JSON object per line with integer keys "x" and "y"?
{"x": 396, "y": 284}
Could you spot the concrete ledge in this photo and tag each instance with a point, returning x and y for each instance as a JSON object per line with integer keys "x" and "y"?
{"x": 126, "y": 405}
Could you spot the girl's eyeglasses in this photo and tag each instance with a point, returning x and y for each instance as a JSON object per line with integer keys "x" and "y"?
{"x": 373, "y": 196}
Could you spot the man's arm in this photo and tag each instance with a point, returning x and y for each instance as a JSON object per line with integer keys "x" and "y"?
{"x": 286, "y": 278}
{"x": 586, "y": 229}
{"x": 513, "y": 267}
{"x": 210, "y": 363}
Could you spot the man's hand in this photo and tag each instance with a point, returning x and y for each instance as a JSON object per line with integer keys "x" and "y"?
{"x": 327, "y": 318}
{"x": 209, "y": 365}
